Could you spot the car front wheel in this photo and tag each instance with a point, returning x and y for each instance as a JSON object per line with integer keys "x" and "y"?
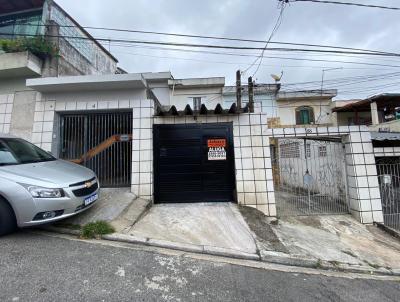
{"x": 7, "y": 218}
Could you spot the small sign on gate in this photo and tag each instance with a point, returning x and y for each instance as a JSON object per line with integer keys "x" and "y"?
{"x": 216, "y": 149}
{"x": 387, "y": 179}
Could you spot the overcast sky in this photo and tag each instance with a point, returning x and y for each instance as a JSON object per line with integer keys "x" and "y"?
{"x": 303, "y": 22}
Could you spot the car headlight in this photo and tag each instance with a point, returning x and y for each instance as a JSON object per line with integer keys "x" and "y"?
{"x": 39, "y": 192}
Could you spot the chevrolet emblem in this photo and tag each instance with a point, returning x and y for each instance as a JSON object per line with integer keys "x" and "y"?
{"x": 88, "y": 184}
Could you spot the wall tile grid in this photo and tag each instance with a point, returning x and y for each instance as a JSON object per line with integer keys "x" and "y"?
{"x": 142, "y": 149}
{"x": 363, "y": 188}
{"x": 387, "y": 151}
{"x": 254, "y": 180}
{"x": 6, "y": 107}
{"x": 44, "y": 133}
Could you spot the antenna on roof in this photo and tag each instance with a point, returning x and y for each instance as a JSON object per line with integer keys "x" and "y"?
{"x": 276, "y": 77}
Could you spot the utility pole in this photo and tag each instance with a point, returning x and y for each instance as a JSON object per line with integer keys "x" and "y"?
{"x": 238, "y": 90}
{"x": 251, "y": 94}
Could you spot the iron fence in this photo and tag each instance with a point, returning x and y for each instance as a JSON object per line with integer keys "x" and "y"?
{"x": 389, "y": 182}
{"x": 83, "y": 132}
{"x": 309, "y": 177}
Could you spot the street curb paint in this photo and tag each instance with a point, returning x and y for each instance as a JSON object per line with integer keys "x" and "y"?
{"x": 268, "y": 257}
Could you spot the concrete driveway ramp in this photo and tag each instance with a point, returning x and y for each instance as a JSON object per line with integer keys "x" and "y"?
{"x": 208, "y": 224}
{"x": 111, "y": 204}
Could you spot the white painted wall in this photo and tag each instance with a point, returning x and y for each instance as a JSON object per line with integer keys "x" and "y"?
{"x": 211, "y": 96}
{"x": 287, "y": 110}
{"x": 97, "y": 96}
{"x": 267, "y": 103}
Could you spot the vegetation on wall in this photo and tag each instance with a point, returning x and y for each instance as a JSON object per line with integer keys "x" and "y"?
{"x": 39, "y": 46}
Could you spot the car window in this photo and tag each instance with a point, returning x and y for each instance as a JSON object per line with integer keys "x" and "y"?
{"x": 25, "y": 152}
{"x": 6, "y": 157}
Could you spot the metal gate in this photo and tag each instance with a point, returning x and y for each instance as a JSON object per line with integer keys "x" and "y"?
{"x": 388, "y": 169}
{"x": 193, "y": 163}
{"x": 309, "y": 177}
{"x": 93, "y": 133}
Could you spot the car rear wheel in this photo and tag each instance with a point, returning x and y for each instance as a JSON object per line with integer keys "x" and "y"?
{"x": 7, "y": 218}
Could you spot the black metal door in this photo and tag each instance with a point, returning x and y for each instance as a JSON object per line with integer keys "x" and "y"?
{"x": 83, "y": 132}
{"x": 184, "y": 169}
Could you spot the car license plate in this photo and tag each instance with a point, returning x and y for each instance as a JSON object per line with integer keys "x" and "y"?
{"x": 91, "y": 199}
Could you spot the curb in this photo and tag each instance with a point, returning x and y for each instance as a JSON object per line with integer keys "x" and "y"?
{"x": 266, "y": 256}
{"x": 389, "y": 230}
{"x": 186, "y": 247}
{"x": 285, "y": 259}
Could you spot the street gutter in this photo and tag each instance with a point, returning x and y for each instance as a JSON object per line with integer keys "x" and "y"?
{"x": 266, "y": 256}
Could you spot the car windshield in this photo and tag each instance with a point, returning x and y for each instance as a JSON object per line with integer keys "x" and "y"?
{"x": 15, "y": 151}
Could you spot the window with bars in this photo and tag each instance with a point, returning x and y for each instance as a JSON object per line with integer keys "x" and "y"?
{"x": 322, "y": 151}
{"x": 290, "y": 150}
{"x": 308, "y": 150}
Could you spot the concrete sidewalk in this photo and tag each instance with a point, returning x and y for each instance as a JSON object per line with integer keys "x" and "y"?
{"x": 331, "y": 241}
{"x": 225, "y": 229}
{"x": 111, "y": 204}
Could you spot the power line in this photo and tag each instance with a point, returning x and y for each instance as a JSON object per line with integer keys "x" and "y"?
{"x": 235, "y": 63}
{"x": 193, "y": 45}
{"x": 210, "y": 37}
{"x": 129, "y": 42}
{"x": 274, "y": 30}
{"x": 345, "y": 79}
{"x": 345, "y": 83}
{"x": 280, "y": 58}
{"x": 346, "y": 3}
{"x": 250, "y": 54}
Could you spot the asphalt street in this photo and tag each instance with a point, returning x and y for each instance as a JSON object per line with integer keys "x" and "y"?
{"x": 37, "y": 267}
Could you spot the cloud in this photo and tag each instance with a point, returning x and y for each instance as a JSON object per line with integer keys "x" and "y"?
{"x": 302, "y": 23}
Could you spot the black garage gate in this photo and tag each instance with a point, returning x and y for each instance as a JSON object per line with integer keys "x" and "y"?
{"x": 194, "y": 163}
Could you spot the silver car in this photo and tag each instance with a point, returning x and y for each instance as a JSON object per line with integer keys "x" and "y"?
{"x": 37, "y": 188}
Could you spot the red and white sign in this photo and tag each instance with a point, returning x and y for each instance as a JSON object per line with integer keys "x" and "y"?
{"x": 216, "y": 149}
{"x": 216, "y": 143}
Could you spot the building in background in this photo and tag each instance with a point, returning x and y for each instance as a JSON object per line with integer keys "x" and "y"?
{"x": 39, "y": 39}
{"x": 45, "y": 23}
{"x": 264, "y": 97}
{"x": 299, "y": 108}
{"x": 196, "y": 92}
{"x": 380, "y": 112}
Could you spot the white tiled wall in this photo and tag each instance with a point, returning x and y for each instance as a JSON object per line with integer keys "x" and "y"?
{"x": 387, "y": 151}
{"x": 142, "y": 149}
{"x": 6, "y": 107}
{"x": 364, "y": 193}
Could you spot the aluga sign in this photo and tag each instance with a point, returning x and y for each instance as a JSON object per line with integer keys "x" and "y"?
{"x": 216, "y": 149}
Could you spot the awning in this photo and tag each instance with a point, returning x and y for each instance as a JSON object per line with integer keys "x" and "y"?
{"x": 385, "y": 136}
{"x": 88, "y": 82}
{"x": 218, "y": 110}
